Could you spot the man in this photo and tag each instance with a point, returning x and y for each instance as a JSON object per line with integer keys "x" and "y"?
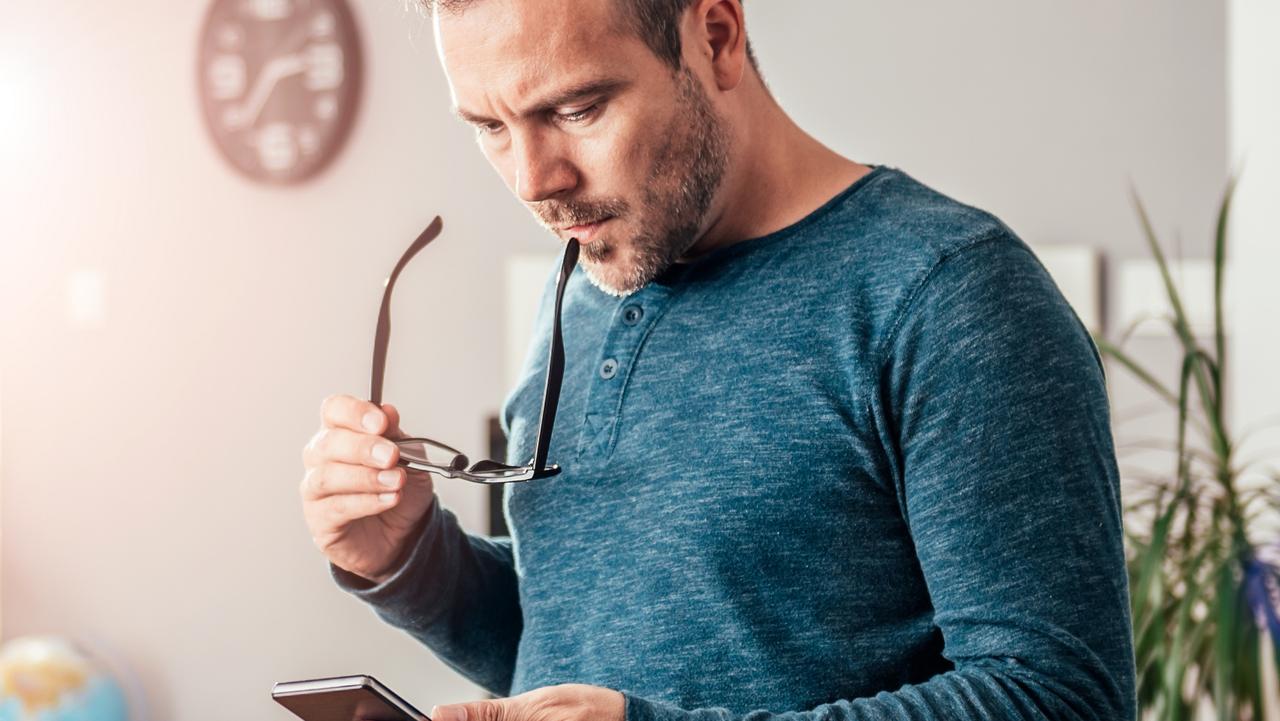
{"x": 833, "y": 445}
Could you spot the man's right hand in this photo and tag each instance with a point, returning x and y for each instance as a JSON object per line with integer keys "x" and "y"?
{"x": 359, "y": 505}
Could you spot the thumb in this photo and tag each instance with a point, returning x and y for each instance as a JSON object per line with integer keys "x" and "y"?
{"x": 475, "y": 711}
{"x": 393, "y": 419}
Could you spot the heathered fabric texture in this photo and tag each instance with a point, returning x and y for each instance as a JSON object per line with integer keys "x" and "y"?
{"x": 860, "y": 468}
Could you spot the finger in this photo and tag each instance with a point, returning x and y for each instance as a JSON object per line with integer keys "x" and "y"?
{"x": 344, "y": 446}
{"x": 332, "y": 479}
{"x": 347, "y": 507}
{"x": 475, "y": 711}
{"x": 345, "y": 411}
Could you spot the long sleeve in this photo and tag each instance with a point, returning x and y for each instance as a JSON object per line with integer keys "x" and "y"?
{"x": 991, "y": 404}
{"x": 455, "y": 592}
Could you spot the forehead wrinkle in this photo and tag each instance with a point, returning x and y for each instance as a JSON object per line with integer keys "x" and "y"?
{"x": 503, "y": 96}
{"x": 507, "y": 49}
{"x": 566, "y": 93}
{"x": 538, "y": 90}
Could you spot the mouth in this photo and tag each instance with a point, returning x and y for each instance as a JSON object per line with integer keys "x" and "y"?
{"x": 585, "y": 233}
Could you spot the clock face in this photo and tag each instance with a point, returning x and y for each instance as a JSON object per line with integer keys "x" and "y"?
{"x": 279, "y": 81}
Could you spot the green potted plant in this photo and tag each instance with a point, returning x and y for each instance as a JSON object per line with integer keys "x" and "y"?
{"x": 1204, "y": 596}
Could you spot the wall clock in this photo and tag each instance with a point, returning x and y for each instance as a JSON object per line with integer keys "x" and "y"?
{"x": 279, "y": 83}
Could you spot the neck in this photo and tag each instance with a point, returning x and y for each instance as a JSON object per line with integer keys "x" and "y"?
{"x": 778, "y": 175}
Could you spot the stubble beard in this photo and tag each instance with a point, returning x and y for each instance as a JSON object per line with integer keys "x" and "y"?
{"x": 683, "y": 177}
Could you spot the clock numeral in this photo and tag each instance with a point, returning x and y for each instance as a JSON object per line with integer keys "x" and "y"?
{"x": 324, "y": 66}
{"x": 227, "y": 76}
{"x": 269, "y": 9}
{"x": 326, "y": 106}
{"x": 276, "y": 148}
{"x": 230, "y": 36}
{"x": 308, "y": 140}
{"x": 322, "y": 24}
{"x": 231, "y": 118}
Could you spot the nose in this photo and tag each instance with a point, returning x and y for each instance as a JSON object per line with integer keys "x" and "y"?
{"x": 542, "y": 170}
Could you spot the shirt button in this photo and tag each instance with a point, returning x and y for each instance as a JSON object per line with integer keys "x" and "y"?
{"x": 632, "y": 314}
{"x": 609, "y": 369}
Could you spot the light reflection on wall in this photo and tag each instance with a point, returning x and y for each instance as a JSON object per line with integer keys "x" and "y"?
{"x": 86, "y": 297}
{"x": 23, "y": 103}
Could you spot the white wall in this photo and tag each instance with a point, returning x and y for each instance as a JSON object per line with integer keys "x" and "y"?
{"x": 151, "y": 463}
{"x": 1255, "y": 239}
{"x": 151, "y": 460}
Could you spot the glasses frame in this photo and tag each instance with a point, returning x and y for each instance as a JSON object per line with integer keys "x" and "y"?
{"x": 486, "y": 472}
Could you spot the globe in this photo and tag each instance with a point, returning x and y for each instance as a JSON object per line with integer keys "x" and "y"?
{"x": 45, "y": 678}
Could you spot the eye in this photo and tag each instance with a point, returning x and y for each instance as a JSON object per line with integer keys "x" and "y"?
{"x": 488, "y": 128}
{"x": 579, "y": 116}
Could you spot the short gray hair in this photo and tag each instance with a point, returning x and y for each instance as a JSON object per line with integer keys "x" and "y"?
{"x": 656, "y": 22}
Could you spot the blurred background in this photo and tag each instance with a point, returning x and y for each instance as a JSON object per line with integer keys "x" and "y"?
{"x": 170, "y": 324}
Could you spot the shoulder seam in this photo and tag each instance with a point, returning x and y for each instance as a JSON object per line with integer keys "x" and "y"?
{"x": 874, "y": 371}
{"x": 882, "y": 351}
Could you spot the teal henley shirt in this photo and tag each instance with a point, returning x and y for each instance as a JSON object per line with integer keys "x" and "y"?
{"x": 859, "y": 468}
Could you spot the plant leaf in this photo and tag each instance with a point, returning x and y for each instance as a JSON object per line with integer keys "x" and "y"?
{"x": 1219, "y": 264}
{"x": 1115, "y": 352}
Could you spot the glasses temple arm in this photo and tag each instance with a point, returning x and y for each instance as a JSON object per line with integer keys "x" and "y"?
{"x": 555, "y": 364}
{"x": 382, "y": 337}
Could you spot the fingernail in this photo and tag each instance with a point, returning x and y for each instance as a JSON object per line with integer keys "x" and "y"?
{"x": 382, "y": 453}
{"x": 386, "y": 497}
{"x": 389, "y": 478}
{"x": 372, "y": 421}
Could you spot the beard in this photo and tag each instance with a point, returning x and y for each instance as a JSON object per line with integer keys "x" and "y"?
{"x": 684, "y": 174}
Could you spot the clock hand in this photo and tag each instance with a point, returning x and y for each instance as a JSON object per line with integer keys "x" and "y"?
{"x": 276, "y": 69}
{"x": 272, "y": 73}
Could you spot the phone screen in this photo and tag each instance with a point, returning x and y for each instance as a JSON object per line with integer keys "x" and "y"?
{"x": 344, "y": 698}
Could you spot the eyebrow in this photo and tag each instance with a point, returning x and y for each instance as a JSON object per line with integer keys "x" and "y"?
{"x": 581, "y": 91}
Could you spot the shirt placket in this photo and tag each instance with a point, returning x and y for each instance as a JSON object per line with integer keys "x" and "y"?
{"x": 633, "y": 319}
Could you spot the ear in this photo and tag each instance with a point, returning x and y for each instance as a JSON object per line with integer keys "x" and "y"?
{"x": 719, "y": 36}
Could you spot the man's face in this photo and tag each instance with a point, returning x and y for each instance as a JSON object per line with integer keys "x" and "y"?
{"x": 589, "y": 128}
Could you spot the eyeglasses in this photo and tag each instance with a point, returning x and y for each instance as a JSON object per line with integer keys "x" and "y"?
{"x": 424, "y": 454}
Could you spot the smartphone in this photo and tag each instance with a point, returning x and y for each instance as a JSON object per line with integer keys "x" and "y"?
{"x": 344, "y": 698}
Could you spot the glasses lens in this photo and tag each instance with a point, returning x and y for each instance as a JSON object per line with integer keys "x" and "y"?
{"x": 421, "y": 450}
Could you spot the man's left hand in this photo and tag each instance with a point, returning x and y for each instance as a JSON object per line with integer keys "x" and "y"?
{"x": 567, "y": 702}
